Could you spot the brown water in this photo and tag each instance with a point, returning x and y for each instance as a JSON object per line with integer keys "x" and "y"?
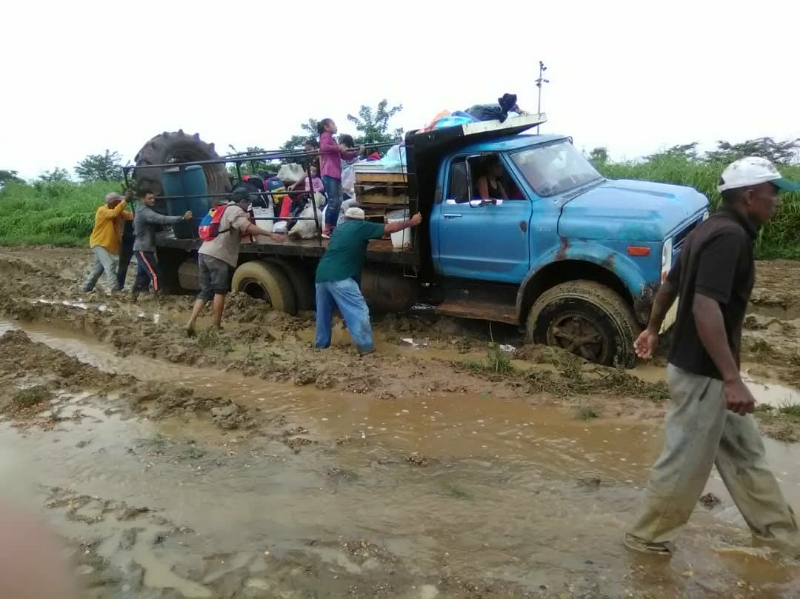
{"x": 448, "y": 487}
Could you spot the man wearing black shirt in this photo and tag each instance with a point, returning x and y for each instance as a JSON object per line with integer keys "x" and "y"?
{"x": 710, "y": 421}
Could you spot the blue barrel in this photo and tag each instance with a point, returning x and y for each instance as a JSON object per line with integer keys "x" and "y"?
{"x": 189, "y": 191}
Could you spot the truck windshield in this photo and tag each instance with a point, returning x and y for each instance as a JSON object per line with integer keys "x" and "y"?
{"x": 554, "y": 168}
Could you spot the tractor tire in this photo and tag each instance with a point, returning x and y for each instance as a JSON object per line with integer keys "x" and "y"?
{"x": 302, "y": 280}
{"x": 587, "y": 319}
{"x": 265, "y": 280}
{"x": 178, "y": 147}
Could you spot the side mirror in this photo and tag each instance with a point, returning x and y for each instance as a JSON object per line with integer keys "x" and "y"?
{"x": 490, "y": 202}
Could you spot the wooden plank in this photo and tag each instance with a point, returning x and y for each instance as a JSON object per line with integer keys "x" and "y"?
{"x": 374, "y": 198}
{"x": 381, "y": 178}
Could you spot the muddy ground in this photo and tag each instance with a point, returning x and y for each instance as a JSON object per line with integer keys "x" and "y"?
{"x": 454, "y": 462}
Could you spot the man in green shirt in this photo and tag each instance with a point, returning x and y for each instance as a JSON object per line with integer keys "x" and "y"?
{"x": 339, "y": 277}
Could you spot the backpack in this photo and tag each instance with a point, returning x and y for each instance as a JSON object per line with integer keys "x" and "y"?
{"x": 209, "y": 226}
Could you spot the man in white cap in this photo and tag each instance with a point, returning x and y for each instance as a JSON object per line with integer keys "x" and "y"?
{"x": 711, "y": 420}
{"x": 106, "y": 240}
{"x": 339, "y": 277}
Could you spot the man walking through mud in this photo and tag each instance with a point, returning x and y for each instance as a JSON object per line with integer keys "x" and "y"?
{"x": 106, "y": 239}
{"x": 338, "y": 280}
{"x": 146, "y": 222}
{"x": 711, "y": 418}
{"x": 217, "y": 258}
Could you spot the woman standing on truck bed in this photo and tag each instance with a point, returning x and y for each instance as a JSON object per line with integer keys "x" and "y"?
{"x": 331, "y": 156}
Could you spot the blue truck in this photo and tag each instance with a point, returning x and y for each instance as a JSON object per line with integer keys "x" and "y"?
{"x": 570, "y": 257}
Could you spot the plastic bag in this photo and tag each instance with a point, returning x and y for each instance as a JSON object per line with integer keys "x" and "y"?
{"x": 349, "y": 181}
{"x": 492, "y": 112}
{"x": 454, "y": 121}
{"x": 291, "y": 173}
{"x": 307, "y": 229}
{"x": 395, "y": 158}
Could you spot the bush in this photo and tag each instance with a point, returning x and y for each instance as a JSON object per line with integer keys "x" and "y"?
{"x": 779, "y": 239}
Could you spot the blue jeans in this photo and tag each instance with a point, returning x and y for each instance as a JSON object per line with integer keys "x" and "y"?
{"x": 346, "y": 295}
{"x": 104, "y": 262}
{"x": 333, "y": 189}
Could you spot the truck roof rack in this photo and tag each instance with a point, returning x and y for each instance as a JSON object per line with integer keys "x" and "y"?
{"x": 473, "y": 132}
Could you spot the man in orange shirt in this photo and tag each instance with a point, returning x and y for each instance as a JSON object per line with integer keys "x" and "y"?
{"x": 106, "y": 240}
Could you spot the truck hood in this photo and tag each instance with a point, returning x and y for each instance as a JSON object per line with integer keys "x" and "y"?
{"x": 633, "y": 210}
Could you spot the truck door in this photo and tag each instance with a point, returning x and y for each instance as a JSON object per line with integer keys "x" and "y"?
{"x": 480, "y": 239}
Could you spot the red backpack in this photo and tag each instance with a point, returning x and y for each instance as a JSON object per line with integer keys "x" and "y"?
{"x": 209, "y": 226}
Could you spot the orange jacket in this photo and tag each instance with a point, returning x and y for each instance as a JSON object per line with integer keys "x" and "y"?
{"x": 107, "y": 230}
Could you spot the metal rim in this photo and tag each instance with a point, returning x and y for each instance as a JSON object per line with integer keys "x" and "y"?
{"x": 256, "y": 289}
{"x": 579, "y": 334}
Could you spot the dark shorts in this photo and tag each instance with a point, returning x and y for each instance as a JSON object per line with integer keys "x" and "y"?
{"x": 215, "y": 277}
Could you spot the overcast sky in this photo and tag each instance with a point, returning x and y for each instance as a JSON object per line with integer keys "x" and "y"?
{"x": 82, "y": 76}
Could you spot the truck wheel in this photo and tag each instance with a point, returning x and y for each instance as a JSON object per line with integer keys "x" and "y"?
{"x": 302, "y": 282}
{"x": 587, "y": 319}
{"x": 178, "y": 147}
{"x": 266, "y": 281}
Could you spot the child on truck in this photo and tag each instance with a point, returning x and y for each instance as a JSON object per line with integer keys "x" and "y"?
{"x": 331, "y": 155}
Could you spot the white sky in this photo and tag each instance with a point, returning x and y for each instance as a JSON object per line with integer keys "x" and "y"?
{"x": 82, "y": 76}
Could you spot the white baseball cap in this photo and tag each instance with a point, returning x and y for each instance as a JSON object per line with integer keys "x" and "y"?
{"x": 753, "y": 170}
{"x": 355, "y": 213}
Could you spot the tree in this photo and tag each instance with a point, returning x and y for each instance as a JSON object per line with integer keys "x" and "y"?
{"x": 373, "y": 126}
{"x": 599, "y": 157}
{"x": 57, "y": 175}
{"x": 309, "y": 131}
{"x": 686, "y": 152}
{"x": 7, "y": 177}
{"x": 100, "y": 167}
{"x": 253, "y": 167}
{"x": 782, "y": 153}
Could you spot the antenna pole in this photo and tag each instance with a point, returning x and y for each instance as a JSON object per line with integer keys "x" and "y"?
{"x": 539, "y": 83}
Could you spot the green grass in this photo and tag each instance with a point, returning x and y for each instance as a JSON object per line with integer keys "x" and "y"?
{"x": 59, "y": 214}
{"x": 31, "y": 396}
{"x": 62, "y": 214}
{"x": 779, "y": 239}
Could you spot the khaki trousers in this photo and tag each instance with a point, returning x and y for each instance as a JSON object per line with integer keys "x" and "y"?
{"x": 700, "y": 433}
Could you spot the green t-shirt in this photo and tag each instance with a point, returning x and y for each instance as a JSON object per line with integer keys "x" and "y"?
{"x": 344, "y": 258}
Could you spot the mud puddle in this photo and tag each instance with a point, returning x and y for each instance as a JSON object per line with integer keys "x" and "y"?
{"x": 443, "y": 495}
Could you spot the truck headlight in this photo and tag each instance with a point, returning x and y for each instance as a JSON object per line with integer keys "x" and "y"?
{"x": 705, "y": 215}
{"x": 666, "y": 259}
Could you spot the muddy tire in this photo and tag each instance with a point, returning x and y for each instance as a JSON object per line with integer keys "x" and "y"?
{"x": 587, "y": 319}
{"x": 178, "y": 147}
{"x": 265, "y": 280}
{"x": 302, "y": 282}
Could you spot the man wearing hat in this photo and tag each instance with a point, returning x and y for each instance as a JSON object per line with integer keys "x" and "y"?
{"x": 338, "y": 278}
{"x": 106, "y": 239}
{"x": 711, "y": 420}
{"x": 218, "y": 258}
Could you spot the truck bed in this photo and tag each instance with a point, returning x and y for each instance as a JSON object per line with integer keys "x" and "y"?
{"x": 377, "y": 250}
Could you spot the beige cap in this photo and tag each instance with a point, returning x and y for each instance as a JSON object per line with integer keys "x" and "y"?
{"x": 355, "y": 213}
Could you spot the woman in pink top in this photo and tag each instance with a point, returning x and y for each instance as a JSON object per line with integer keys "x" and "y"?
{"x": 331, "y": 155}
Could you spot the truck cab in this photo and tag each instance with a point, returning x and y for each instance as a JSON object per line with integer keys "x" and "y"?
{"x": 569, "y": 255}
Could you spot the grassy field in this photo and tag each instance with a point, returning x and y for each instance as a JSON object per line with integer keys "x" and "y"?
{"x": 59, "y": 214}
{"x": 63, "y": 213}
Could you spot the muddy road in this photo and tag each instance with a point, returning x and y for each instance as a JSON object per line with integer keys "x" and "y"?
{"x": 455, "y": 462}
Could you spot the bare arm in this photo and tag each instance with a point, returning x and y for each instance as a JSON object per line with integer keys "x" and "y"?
{"x": 483, "y": 188}
{"x": 390, "y": 228}
{"x": 666, "y": 296}
{"x": 252, "y": 229}
{"x": 116, "y": 211}
{"x": 711, "y": 330}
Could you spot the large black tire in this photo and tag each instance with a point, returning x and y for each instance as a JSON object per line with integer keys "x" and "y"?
{"x": 302, "y": 282}
{"x": 177, "y": 147}
{"x": 265, "y": 280}
{"x": 587, "y": 319}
